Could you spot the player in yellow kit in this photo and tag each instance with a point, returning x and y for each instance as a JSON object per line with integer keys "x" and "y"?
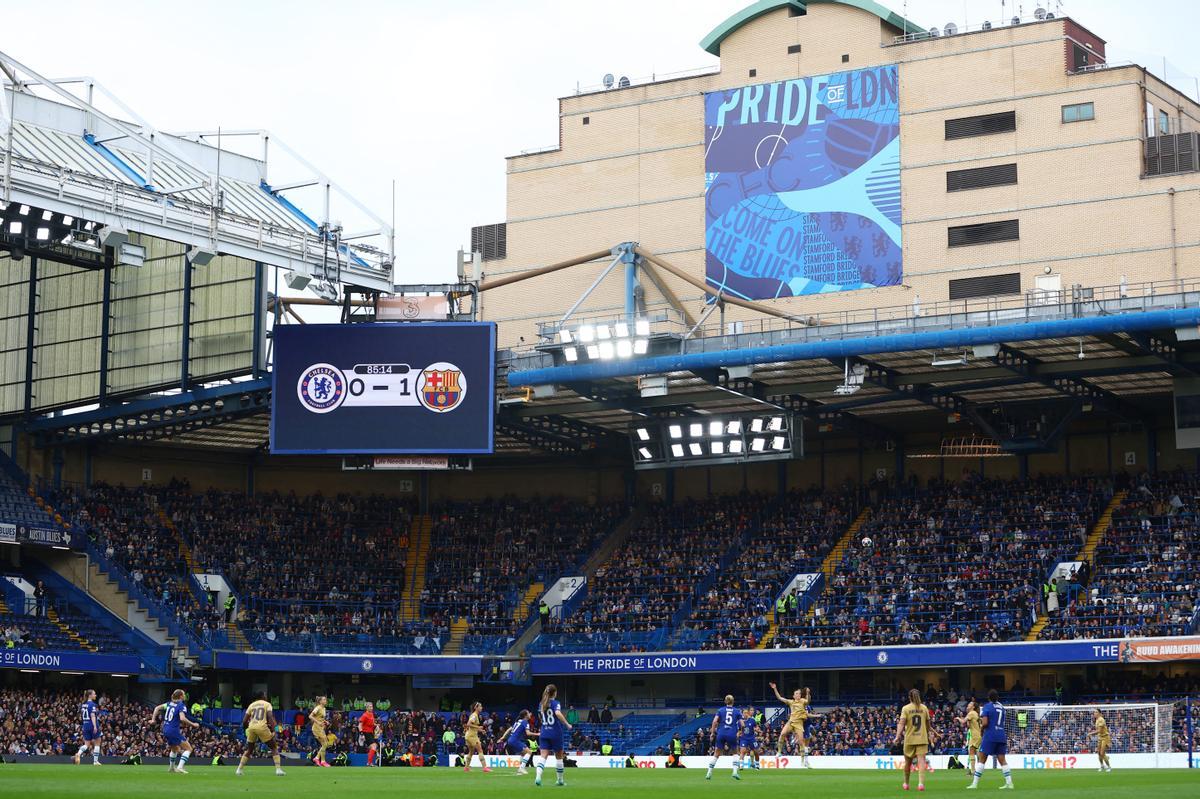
{"x": 974, "y": 733}
{"x": 259, "y": 725}
{"x": 913, "y": 727}
{"x": 325, "y": 739}
{"x": 1103, "y": 739}
{"x": 471, "y": 731}
{"x": 797, "y": 718}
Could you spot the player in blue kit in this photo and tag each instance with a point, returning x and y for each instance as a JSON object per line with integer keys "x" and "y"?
{"x": 725, "y": 732}
{"x": 553, "y": 736}
{"x": 175, "y": 720}
{"x": 747, "y": 743}
{"x": 995, "y": 741}
{"x": 517, "y": 740}
{"x": 89, "y": 721}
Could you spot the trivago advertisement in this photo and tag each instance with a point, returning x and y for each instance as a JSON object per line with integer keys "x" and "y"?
{"x": 802, "y": 185}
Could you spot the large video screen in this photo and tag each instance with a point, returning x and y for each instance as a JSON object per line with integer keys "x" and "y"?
{"x": 802, "y": 185}
{"x": 403, "y": 388}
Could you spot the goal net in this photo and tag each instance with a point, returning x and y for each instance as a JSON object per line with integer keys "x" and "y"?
{"x": 1068, "y": 729}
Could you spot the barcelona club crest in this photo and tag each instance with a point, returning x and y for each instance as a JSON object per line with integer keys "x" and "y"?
{"x": 441, "y": 387}
{"x": 321, "y": 388}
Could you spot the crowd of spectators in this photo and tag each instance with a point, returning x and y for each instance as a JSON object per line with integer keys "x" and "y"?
{"x": 951, "y": 563}
{"x": 792, "y": 537}
{"x": 1147, "y": 567}
{"x": 674, "y": 550}
{"x": 490, "y": 552}
{"x": 46, "y": 722}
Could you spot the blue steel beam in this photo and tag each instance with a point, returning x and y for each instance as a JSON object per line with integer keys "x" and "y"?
{"x": 120, "y": 163}
{"x": 149, "y": 405}
{"x": 843, "y": 348}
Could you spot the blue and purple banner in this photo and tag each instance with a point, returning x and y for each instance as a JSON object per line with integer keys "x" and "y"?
{"x": 802, "y": 185}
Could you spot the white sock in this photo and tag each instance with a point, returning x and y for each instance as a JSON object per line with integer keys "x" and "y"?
{"x": 712, "y": 764}
{"x": 978, "y": 772}
{"x": 559, "y": 769}
{"x": 539, "y": 763}
{"x": 736, "y": 765}
{"x": 183, "y": 758}
{"x": 82, "y": 749}
{"x": 95, "y": 754}
{"x": 1008, "y": 775}
{"x": 171, "y": 759}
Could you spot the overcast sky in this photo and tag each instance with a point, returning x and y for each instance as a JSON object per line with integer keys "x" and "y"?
{"x": 436, "y": 94}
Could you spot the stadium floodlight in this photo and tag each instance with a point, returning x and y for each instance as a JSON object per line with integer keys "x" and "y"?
{"x": 607, "y": 351}
{"x": 756, "y": 425}
{"x": 67, "y": 220}
{"x": 83, "y": 240}
{"x": 758, "y": 444}
{"x": 779, "y": 443}
{"x": 113, "y": 236}
{"x": 642, "y": 327}
{"x": 587, "y": 333}
{"x": 734, "y": 428}
{"x": 593, "y": 352}
{"x": 602, "y": 332}
{"x": 718, "y": 447}
{"x": 621, "y": 330}
{"x": 297, "y": 281}
{"x": 716, "y": 428}
{"x": 571, "y": 354}
{"x": 695, "y": 429}
{"x": 676, "y": 431}
{"x": 200, "y": 256}
{"x": 564, "y": 336}
{"x": 645, "y": 453}
{"x": 641, "y": 346}
{"x": 23, "y": 210}
{"x": 960, "y": 360}
{"x": 43, "y": 233}
{"x": 776, "y": 424}
{"x": 677, "y": 450}
{"x": 735, "y": 447}
{"x": 643, "y": 434}
{"x": 131, "y": 254}
{"x": 695, "y": 448}
{"x": 47, "y": 216}
{"x": 15, "y": 227}
{"x": 624, "y": 348}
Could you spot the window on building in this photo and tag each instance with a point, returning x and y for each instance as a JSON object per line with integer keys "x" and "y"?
{"x": 982, "y": 125}
{"x": 984, "y": 233}
{"x": 587, "y": 120}
{"x": 490, "y": 240}
{"x": 1164, "y": 123}
{"x": 754, "y": 73}
{"x": 985, "y": 286}
{"x": 1079, "y": 112}
{"x": 981, "y": 177}
{"x": 845, "y": 58}
{"x": 793, "y": 49}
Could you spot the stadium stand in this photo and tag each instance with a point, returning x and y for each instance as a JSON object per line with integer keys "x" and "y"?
{"x": 942, "y": 566}
{"x": 500, "y": 548}
{"x": 1144, "y": 577}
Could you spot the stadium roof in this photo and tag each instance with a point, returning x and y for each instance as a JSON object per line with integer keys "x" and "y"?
{"x": 712, "y": 42}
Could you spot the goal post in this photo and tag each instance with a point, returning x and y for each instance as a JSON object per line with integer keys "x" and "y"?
{"x": 1133, "y": 728}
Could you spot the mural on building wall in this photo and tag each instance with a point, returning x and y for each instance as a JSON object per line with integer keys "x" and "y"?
{"x": 802, "y": 185}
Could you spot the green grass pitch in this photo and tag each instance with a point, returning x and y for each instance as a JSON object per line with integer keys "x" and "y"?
{"x": 153, "y": 782}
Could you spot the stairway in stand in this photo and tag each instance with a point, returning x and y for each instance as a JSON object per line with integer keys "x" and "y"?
{"x": 236, "y": 636}
{"x": 1086, "y": 553}
{"x": 420, "y": 540}
{"x": 524, "y": 608}
{"x": 52, "y": 615}
{"x": 828, "y": 567}
{"x": 458, "y": 630}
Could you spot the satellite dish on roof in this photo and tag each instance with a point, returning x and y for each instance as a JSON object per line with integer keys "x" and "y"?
{"x": 623, "y": 83}
{"x": 1049, "y": 15}
{"x": 987, "y": 26}
{"x": 1016, "y": 20}
{"x": 950, "y": 29}
{"x": 1039, "y": 13}
{"x": 608, "y": 80}
{"x": 934, "y": 33}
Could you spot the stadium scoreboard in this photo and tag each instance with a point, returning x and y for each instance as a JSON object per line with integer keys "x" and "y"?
{"x": 384, "y": 388}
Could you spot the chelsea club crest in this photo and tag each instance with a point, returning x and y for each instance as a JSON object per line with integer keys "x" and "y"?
{"x": 321, "y": 388}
